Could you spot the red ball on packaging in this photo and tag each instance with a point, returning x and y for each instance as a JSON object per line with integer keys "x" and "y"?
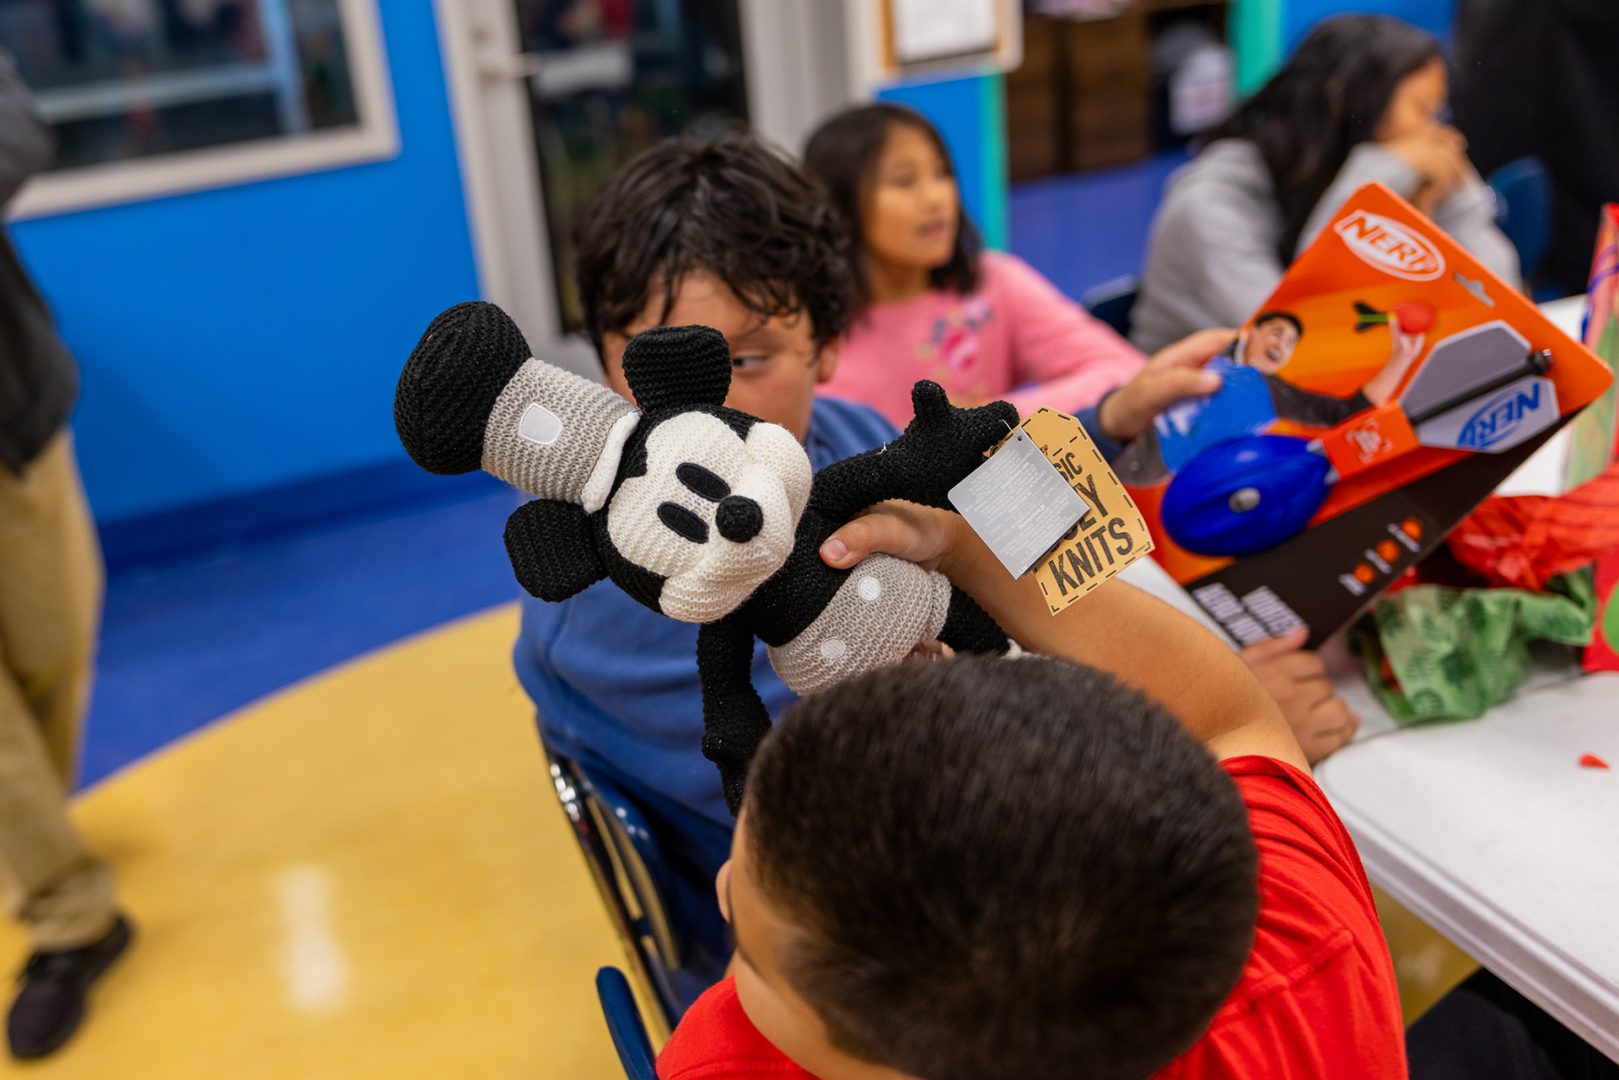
{"x": 1415, "y": 317}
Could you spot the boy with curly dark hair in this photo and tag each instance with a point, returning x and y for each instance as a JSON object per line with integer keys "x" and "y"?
{"x": 726, "y": 233}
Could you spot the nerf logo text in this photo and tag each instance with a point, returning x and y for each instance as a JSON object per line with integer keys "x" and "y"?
{"x": 1502, "y": 415}
{"x": 1390, "y": 246}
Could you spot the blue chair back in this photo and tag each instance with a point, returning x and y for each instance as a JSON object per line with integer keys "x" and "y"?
{"x": 1113, "y": 302}
{"x": 1523, "y": 209}
{"x": 624, "y": 1024}
{"x": 622, "y": 856}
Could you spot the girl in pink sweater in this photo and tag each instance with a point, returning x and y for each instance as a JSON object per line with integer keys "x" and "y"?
{"x": 934, "y": 305}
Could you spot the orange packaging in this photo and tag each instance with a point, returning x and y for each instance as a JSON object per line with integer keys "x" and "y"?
{"x": 1379, "y": 434}
{"x": 1384, "y": 389}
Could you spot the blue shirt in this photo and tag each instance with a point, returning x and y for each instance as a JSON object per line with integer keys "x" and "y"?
{"x": 616, "y": 682}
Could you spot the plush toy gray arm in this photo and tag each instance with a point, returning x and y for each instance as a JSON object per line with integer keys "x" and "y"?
{"x": 735, "y": 719}
{"x": 935, "y": 452}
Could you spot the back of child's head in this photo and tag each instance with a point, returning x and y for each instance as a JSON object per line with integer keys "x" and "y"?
{"x": 843, "y": 154}
{"x": 1002, "y": 868}
{"x": 732, "y": 206}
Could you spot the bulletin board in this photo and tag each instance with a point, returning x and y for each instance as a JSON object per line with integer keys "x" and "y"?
{"x": 942, "y": 37}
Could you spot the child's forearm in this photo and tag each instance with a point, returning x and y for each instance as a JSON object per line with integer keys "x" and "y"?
{"x": 1380, "y": 387}
{"x": 1144, "y": 642}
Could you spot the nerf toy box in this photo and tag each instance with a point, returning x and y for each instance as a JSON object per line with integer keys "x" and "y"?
{"x": 1594, "y": 447}
{"x": 1382, "y": 391}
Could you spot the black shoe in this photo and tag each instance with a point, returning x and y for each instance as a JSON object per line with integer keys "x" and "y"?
{"x": 54, "y": 984}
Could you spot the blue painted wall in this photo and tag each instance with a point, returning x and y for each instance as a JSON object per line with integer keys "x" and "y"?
{"x": 970, "y": 113}
{"x": 1434, "y": 16}
{"x": 248, "y": 338}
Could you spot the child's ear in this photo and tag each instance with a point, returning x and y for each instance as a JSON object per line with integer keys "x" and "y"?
{"x": 826, "y": 359}
{"x": 674, "y": 367}
{"x": 553, "y": 549}
{"x": 722, "y": 889}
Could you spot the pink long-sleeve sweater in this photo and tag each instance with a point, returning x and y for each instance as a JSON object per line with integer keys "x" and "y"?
{"x": 1016, "y": 337}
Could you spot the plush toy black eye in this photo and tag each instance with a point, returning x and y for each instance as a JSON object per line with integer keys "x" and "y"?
{"x": 703, "y": 482}
{"x": 683, "y": 522}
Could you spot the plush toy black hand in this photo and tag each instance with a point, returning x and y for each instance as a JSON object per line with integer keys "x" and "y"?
{"x": 701, "y": 512}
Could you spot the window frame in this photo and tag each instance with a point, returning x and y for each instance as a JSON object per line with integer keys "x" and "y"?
{"x": 375, "y": 137}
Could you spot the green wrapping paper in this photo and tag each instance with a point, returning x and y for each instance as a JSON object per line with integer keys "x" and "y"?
{"x": 1453, "y": 653}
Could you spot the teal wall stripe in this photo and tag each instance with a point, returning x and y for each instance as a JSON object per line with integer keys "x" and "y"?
{"x": 992, "y": 115}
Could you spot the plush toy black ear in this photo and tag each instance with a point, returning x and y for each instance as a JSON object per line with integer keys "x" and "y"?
{"x": 929, "y": 402}
{"x": 450, "y": 383}
{"x": 675, "y": 367}
{"x": 553, "y": 549}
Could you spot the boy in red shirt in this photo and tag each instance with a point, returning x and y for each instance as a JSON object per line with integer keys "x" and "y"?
{"x": 1114, "y": 867}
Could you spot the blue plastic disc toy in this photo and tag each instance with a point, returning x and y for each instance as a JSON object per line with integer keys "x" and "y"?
{"x": 1245, "y": 495}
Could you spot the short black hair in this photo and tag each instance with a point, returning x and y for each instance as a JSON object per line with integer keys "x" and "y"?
{"x": 843, "y": 153}
{"x": 1003, "y": 868}
{"x": 1274, "y": 315}
{"x": 732, "y": 205}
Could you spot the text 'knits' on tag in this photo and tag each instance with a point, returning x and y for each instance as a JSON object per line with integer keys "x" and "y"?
{"x": 1107, "y": 539}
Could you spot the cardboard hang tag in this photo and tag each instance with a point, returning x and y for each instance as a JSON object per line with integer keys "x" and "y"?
{"x": 1073, "y": 539}
{"x": 1107, "y": 540}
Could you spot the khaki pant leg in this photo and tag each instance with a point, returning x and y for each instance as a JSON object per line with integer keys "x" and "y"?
{"x": 50, "y": 599}
{"x": 51, "y": 584}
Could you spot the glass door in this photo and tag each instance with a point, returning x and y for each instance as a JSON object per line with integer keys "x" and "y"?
{"x": 608, "y": 78}
{"x": 550, "y": 97}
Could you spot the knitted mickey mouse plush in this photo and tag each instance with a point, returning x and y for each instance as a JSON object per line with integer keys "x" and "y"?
{"x": 704, "y": 513}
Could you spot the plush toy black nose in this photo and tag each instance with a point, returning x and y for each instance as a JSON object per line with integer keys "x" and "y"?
{"x": 739, "y": 518}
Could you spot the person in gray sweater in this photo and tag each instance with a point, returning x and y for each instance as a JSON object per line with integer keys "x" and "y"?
{"x": 1361, "y": 100}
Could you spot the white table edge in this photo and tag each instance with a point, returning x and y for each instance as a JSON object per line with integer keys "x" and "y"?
{"x": 1566, "y": 990}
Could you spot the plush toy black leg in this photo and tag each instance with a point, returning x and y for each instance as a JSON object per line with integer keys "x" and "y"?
{"x": 968, "y": 628}
{"x": 451, "y": 382}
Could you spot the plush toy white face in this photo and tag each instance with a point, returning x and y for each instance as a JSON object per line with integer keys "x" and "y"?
{"x": 715, "y": 513}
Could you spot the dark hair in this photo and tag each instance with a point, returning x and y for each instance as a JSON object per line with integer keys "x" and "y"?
{"x": 1003, "y": 868}
{"x": 733, "y": 206}
{"x": 1284, "y": 316}
{"x": 1328, "y": 99}
{"x": 842, "y": 154}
